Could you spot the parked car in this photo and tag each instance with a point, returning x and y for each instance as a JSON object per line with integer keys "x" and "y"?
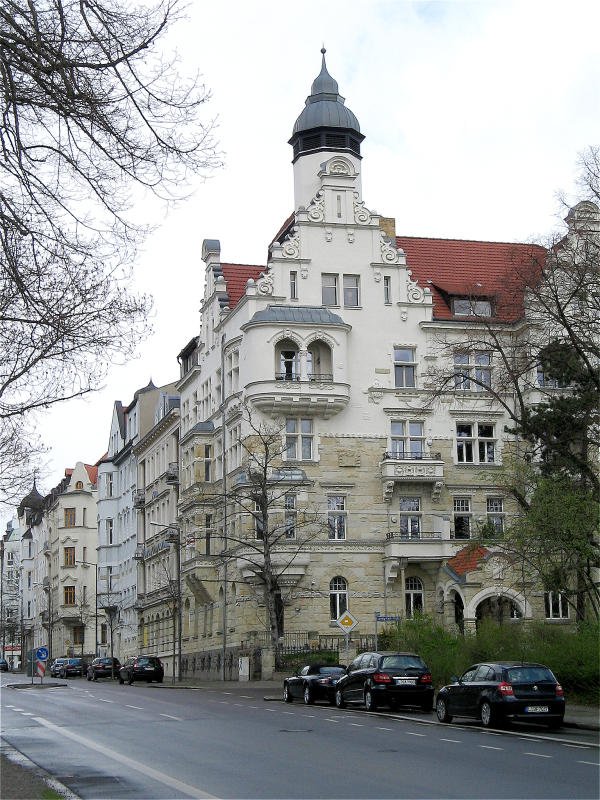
{"x": 55, "y": 667}
{"x": 496, "y": 692}
{"x": 103, "y": 668}
{"x": 386, "y": 679}
{"x": 71, "y": 667}
{"x": 141, "y": 668}
{"x": 3, "y": 665}
{"x": 313, "y": 682}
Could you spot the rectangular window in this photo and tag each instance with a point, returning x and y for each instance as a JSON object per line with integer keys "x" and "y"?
{"x": 404, "y": 367}
{"x": 298, "y": 439}
{"x": 495, "y": 514}
{"x": 109, "y": 531}
{"x": 329, "y": 287}
{"x": 259, "y": 526}
{"x": 290, "y": 516}
{"x": 208, "y": 521}
{"x": 29, "y": 580}
{"x": 69, "y": 517}
{"x": 410, "y": 517}
{"x": 69, "y": 556}
{"x": 475, "y": 443}
{"x": 293, "y": 285}
{"x": 549, "y": 383}
{"x": 407, "y": 439}
{"x": 472, "y": 371}
{"x": 207, "y": 461}
{"x": 109, "y": 484}
{"x": 387, "y": 290}
{"x": 69, "y": 595}
{"x": 351, "y": 291}
{"x": 462, "y": 518}
{"x": 471, "y": 307}
{"x": 78, "y": 635}
{"x": 336, "y": 516}
{"x": 103, "y": 633}
{"x": 556, "y": 605}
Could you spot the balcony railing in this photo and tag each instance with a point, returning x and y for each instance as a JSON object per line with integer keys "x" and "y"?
{"x": 407, "y": 455}
{"x": 323, "y": 377}
{"x": 284, "y": 376}
{"x": 172, "y": 474}
{"x": 138, "y": 497}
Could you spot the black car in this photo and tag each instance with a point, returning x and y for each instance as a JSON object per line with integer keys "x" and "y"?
{"x": 55, "y": 667}
{"x": 103, "y": 668}
{"x": 496, "y": 692}
{"x": 141, "y": 668}
{"x": 70, "y": 667}
{"x": 386, "y": 679}
{"x": 313, "y": 682}
{"x": 3, "y": 665}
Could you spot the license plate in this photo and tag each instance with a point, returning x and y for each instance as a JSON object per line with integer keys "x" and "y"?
{"x": 406, "y": 681}
{"x": 536, "y": 709}
{"x": 149, "y": 668}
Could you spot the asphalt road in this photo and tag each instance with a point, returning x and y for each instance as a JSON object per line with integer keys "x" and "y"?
{"x": 103, "y": 740}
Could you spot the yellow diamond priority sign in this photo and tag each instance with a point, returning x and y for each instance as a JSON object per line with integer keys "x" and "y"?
{"x": 347, "y": 621}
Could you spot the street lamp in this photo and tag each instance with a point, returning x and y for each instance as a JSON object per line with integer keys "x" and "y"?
{"x": 88, "y": 564}
{"x": 173, "y": 536}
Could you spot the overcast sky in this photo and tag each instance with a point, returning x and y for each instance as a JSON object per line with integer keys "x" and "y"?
{"x": 473, "y": 113}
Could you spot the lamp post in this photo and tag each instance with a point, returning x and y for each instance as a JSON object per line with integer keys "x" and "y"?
{"x": 173, "y": 536}
{"x": 89, "y": 564}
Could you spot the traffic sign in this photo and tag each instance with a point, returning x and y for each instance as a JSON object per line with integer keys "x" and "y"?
{"x": 347, "y": 622}
{"x": 42, "y": 654}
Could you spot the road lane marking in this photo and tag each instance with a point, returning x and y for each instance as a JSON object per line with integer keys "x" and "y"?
{"x": 591, "y": 763}
{"x": 139, "y": 708}
{"x": 384, "y": 729}
{"x": 247, "y": 696}
{"x": 329, "y": 719}
{"x": 144, "y": 769}
{"x": 410, "y": 733}
{"x": 288, "y": 712}
{"x": 537, "y": 755}
{"x": 455, "y": 741}
{"x": 357, "y": 725}
{"x": 578, "y": 746}
{"x": 310, "y": 716}
{"x": 101, "y": 700}
{"x": 27, "y": 713}
{"x": 170, "y": 716}
{"x": 490, "y": 747}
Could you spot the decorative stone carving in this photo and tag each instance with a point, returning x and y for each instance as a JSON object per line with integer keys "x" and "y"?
{"x": 377, "y": 276}
{"x": 328, "y": 235}
{"x": 388, "y": 491}
{"x": 304, "y": 272}
{"x": 362, "y": 215}
{"x": 348, "y": 458}
{"x": 265, "y": 283}
{"x": 337, "y": 166}
{"x": 413, "y": 291}
{"x": 291, "y": 245}
{"x": 436, "y": 491}
{"x": 316, "y": 207}
{"x": 351, "y": 237}
{"x": 389, "y": 254}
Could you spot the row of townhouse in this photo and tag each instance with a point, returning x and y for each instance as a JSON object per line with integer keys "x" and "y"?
{"x": 348, "y": 375}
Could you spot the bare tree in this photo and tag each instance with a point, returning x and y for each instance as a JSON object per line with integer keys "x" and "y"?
{"x": 266, "y": 526}
{"x": 92, "y": 112}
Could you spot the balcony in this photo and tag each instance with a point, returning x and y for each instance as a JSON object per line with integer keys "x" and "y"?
{"x": 172, "y": 474}
{"x": 316, "y": 395}
{"x": 417, "y": 467}
{"x": 138, "y": 497}
{"x": 431, "y": 545}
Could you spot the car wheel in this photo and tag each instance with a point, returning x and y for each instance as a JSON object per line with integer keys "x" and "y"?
{"x": 370, "y": 702}
{"x": 488, "y": 715}
{"x": 339, "y": 699}
{"x": 287, "y": 696}
{"x": 441, "y": 709}
{"x": 308, "y": 695}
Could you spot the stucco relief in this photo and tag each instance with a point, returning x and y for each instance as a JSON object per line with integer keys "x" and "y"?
{"x": 265, "y": 283}
{"x": 389, "y": 254}
{"x": 316, "y": 207}
{"x": 414, "y": 292}
{"x": 338, "y": 166}
{"x": 291, "y": 245}
{"x": 413, "y": 470}
{"x": 362, "y": 215}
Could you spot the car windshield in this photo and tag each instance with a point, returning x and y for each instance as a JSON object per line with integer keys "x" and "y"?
{"x": 330, "y": 670}
{"x": 144, "y": 662}
{"x": 401, "y": 662}
{"x": 529, "y": 675}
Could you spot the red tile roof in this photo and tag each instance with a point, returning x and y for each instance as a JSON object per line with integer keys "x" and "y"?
{"x": 236, "y": 278}
{"x": 92, "y": 472}
{"x": 451, "y": 267}
{"x": 467, "y": 559}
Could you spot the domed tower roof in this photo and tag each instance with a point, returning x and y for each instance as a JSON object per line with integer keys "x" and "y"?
{"x": 33, "y": 501}
{"x": 325, "y": 123}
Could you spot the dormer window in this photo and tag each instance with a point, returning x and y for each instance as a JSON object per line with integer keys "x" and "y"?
{"x": 471, "y": 307}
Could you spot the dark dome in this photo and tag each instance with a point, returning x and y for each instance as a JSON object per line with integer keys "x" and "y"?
{"x": 326, "y": 123}
{"x": 33, "y": 501}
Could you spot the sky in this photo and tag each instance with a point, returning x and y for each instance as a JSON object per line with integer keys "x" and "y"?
{"x": 474, "y": 114}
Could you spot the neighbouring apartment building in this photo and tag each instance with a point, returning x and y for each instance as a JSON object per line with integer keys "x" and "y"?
{"x": 339, "y": 342}
{"x": 117, "y": 519}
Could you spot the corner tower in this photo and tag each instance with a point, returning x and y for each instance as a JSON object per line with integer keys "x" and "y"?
{"x": 325, "y": 125}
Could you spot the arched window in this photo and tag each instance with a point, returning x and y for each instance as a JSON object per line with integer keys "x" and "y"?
{"x": 338, "y": 597}
{"x": 79, "y": 485}
{"x": 413, "y": 596}
{"x": 319, "y": 362}
{"x": 288, "y": 362}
